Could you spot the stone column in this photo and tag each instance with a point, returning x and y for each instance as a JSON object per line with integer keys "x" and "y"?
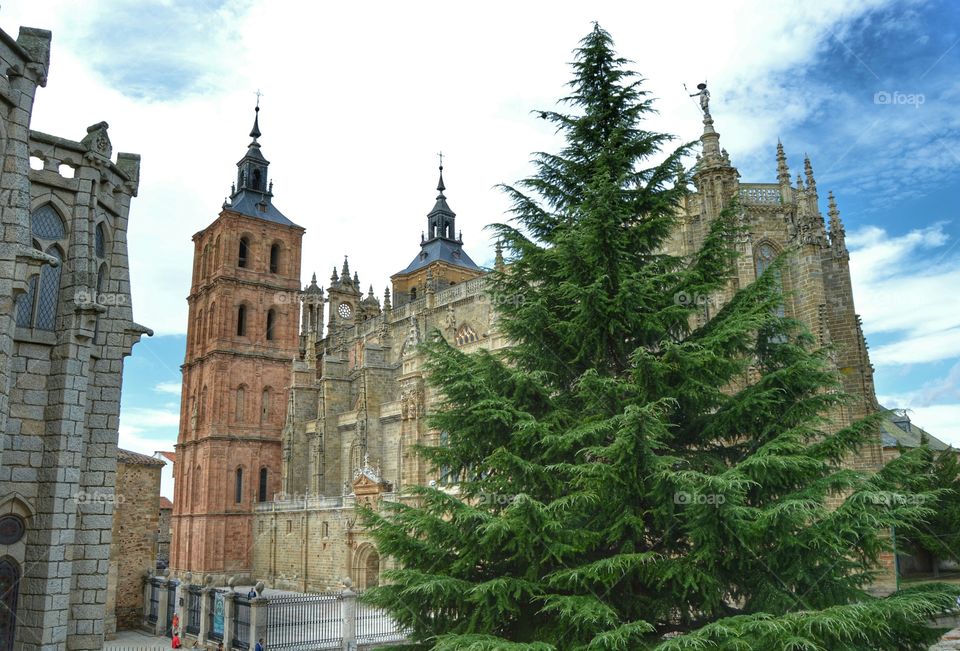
{"x": 348, "y": 615}
{"x": 205, "y": 605}
{"x": 229, "y": 613}
{"x": 183, "y": 592}
{"x": 164, "y": 598}
{"x": 258, "y": 616}
{"x": 146, "y": 599}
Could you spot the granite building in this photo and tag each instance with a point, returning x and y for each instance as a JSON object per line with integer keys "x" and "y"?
{"x": 65, "y": 327}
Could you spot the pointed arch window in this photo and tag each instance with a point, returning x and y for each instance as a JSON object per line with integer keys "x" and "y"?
{"x": 413, "y": 293}
{"x": 241, "y": 402}
{"x": 196, "y": 488}
{"x": 265, "y": 405}
{"x": 100, "y": 241}
{"x": 262, "y": 492}
{"x": 244, "y": 253}
{"x": 238, "y": 486}
{"x": 465, "y": 335}
{"x": 38, "y": 307}
{"x": 9, "y": 590}
{"x": 242, "y": 321}
{"x": 203, "y": 405}
{"x": 271, "y": 323}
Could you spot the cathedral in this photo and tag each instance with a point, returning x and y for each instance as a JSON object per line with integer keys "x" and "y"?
{"x": 300, "y": 404}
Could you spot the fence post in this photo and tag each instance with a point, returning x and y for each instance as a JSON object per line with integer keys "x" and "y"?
{"x": 183, "y": 592}
{"x": 258, "y": 616}
{"x": 205, "y": 610}
{"x": 348, "y": 613}
{"x": 146, "y": 600}
{"x": 163, "y": 597}
{"x": 229, "y": 615}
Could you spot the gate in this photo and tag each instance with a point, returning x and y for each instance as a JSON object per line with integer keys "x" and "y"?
{"x": 241, "y": 622}
{"x": 194, "y": 594}
{"x": 304, "y": 621}
{"x": 153, "y": 612}
{"x": 171, "y": 607}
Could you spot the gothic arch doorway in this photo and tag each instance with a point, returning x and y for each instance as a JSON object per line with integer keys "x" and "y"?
{"x": 9, "y": 587}
{"x": 366, "y": 567}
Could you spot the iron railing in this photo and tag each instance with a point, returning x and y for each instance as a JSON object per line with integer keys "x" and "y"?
{"x": 374, "y": 625}
{"x": 171, "y": 607}
{"x": 153, "y": 613}
{"x": 241, "y": 622}
{"x": 305, "y": 621}
{"x": 194, "y": 595}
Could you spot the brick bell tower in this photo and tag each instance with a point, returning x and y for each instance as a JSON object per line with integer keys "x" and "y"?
{"x": 241, "y": 342}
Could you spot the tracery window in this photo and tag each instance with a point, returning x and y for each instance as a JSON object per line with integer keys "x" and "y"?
{"x": 37, "y": 308}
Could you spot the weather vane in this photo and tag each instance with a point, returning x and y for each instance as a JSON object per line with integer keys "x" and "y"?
{"x": 259, "y": 95}
{"x": 441, "y": 159}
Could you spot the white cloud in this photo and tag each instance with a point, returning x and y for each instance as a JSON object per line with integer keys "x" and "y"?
{"x": 358, "y": 98}
{"x": 136, "y": 420}
{"x": 173, "y": 388}
{"x": 906, "y": 286}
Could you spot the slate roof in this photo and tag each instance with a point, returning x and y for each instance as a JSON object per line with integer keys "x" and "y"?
{"x": 441, "y": 249}
{"x": 245, "y": 202}
{"x": 136, "y": 459}
{"x": 891, "y": 434}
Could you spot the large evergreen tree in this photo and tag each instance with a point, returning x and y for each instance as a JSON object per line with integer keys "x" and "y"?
{"x": 627, "y": 481}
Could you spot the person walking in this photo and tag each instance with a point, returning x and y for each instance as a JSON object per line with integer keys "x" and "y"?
{"x": 260, "y": 646}
{"x": 175, "y": 623}
{"x": 175, "y": 642}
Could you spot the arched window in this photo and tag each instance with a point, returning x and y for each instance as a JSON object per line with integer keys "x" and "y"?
{"x": 238, "y": 486}
{"x": 325, "y": 530}
{"x": 48, "y": 292}
{"x": 257, "y": 179}
{"x": 241, "y": 320}
{"x": 413, "y": 293}
{"x": 241, "y": 403}
{"x": 196, "y": 488}
{"x": 9, "y": 590}
{"x": 206, "y": 261}
{"x": 244, "y": 252}
{"x": 765, "y": 256}
{"x": 37, "y": 308}
{"x": 203, "y": 405}
{"x": 100, "y": 241}
{"x": 265, "y": 405}
{"x": 198, "y": 333}
{"x": 274, "y": 258}
{"x": 465, "y": 335}
{"x": 216, "y": 253}
{"x": 262, "y": 492}
{"x": 271, "y": 321}
{"x": 212, "y": 321}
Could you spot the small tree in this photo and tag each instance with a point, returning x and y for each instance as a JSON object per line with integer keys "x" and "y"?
{"x": 937, "y": 474}
{"x": 627, "y": 481}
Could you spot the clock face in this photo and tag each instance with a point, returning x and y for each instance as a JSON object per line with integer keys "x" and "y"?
{"x": 344, "y": 311}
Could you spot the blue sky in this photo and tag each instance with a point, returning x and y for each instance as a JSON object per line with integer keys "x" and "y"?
{"x": 358, "y": 100}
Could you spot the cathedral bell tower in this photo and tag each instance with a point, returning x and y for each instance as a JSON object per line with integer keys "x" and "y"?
{"x": 441, "y": 262}
{"x": 242, "y": 339}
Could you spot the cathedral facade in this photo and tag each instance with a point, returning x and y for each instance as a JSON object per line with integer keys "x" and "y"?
{"x": 65, "y": 327}
{"x": 355, "y": 396}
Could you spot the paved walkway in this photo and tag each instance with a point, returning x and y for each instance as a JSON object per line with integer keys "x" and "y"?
{"x": 136, "y": 641}
{"x": 949, "y": 642}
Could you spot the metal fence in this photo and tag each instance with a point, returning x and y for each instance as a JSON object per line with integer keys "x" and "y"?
{"x": 374, "y": 625}
{"x": 241, "y": 622}
{"x": 194, "y": 595}
{"x": 154, "y": 601}
{"x": 305, "y": 621}
{"x": 171, "y": 607}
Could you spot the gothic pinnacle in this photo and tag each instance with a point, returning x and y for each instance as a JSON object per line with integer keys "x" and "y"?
{"x": 386, "y": 299}
{"x": 498, "y": 259}
{"x": 808, "y": 171}
{"x": 783, "y": 172}
{"x": 345, "y": 272}
{"x": 333, "y": 277}
{"x": 356, "y": 280}
{"x": 799, "y": 181}
{"x": 837, "y": 232}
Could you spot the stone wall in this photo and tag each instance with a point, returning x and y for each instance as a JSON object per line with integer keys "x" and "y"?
{"x": 65, "y": 327}
{"x": 134, "y": 537}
